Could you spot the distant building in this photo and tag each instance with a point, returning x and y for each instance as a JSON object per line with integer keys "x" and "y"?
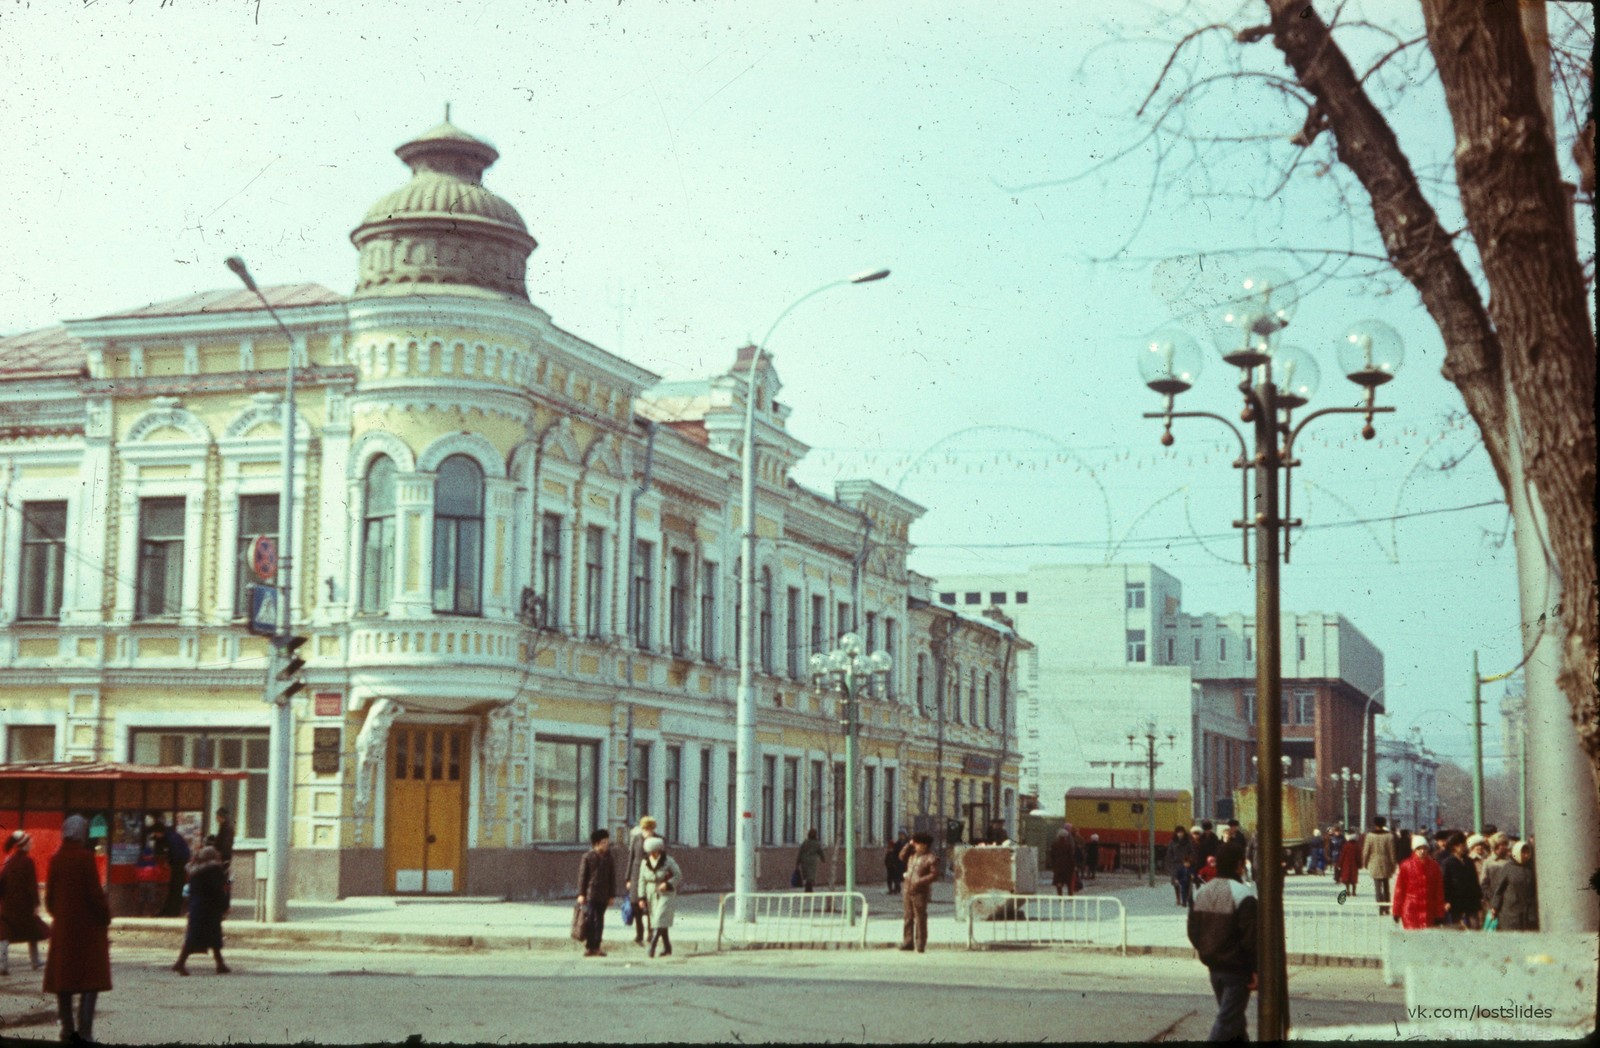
{"x": 1407, "y": 781}
{"x": 1115, "y": 651}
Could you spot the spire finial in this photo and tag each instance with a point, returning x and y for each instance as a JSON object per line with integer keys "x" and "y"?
{"x": 447, "y": 112}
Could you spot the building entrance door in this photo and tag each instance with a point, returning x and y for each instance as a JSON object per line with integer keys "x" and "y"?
{"x": 425, "y": 813}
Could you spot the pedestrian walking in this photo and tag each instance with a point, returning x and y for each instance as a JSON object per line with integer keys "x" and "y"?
{"x": 1515, "y": 902}
{"x": 19, "y": 902}
{"x": 809, "y": 859}
{"x": 1335, "y": 848}
{"x": 1206, "y": 845}
{"x": 1319, "y": 856}
{"x": 208, "y": 901}
{"x": 894, "y": 869}
{"x": 170, "y": 841}
{"x": 1349, "y": 872}
{"x": 224, "y": 835}
{"x": 1091, "y": 856}
{"x": 1064, "y": 860}
{"x": 1499, "y": 856}
{"x": 1378, "y": 857}
{"x": 1180, "y": 865}
{"x": 597, "y": 885}
{"x": 1222, "y": 929}
{"x": 659, "y": 880}
{"x": 1463, "y": 895}
{"x": 922, "y": 869}
{"x": 636, "y": 842}
{"x": 1418, "y": 888}
{"x": 79, "y": 962}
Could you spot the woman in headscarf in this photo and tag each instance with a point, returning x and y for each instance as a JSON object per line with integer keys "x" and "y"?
{"x": 19, "y": 902}
{"x": 1349, "y": 871}
{"x": 659, "y": 879}
{"x": 79, "y": 962}
{"x": 645, "y": 831}
{"x": 1418, "y": 900}
{"x": 1514, "y": 901}
{"x": 208, "y": 901}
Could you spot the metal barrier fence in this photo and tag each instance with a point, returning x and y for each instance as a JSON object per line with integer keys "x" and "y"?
{"x": 1098, "y": 920}
{"x": 814, "y": 919}
{"x": 1351, "y": 929}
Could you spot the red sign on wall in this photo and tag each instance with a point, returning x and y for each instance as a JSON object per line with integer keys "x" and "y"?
{"x": 329, "y": 703}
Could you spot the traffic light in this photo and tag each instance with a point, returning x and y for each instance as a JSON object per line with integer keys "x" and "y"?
{"x": 288, "y": 674}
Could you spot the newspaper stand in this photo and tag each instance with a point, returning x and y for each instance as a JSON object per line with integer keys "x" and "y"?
{"x": 119, "y": 801}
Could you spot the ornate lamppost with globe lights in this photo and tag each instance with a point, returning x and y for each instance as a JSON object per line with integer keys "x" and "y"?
{"x": 1149, "y": 734}
{"x": 1344, "y": 777}
{"x": 852, "y": 672}
{"x": 1275, "y": 381}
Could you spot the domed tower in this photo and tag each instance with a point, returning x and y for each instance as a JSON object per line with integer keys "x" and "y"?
{"x": 443, "y": 231}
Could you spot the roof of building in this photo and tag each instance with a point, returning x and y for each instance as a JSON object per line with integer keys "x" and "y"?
{"x": 234, "y": 300}
{"x": 47, "y": 351}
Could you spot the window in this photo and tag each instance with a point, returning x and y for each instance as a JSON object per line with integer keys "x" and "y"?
{"x": 1250, "y": 705}
{"x": 566, "y": 789}
{"x": 972, "y": 697}
{"x": 791, "y": 799}
{"x": 838, "y": 802}
{"x": 872, "y": 631}
{"x": 954, "y": 704}
{"x": 458, "y": 536}
{"x": 733, "y": 797}
{"x": 843, "y": 624}
{"x": 27, "y": 743}
{"x": 160, "y": 557}
{"x": 377, "y": 535}
{"x": 972, "y": 598}
{"x": 1249, "y": 650}
{"x": 678, "y": 605}
{"x": 1286, "y": 709}
{"x": 924, "y": 792}
{"x": 1135, "y": 596}
{"x": 1022, "y": 596}
{"x": 672, "y": 786}
{"x": 1136, "y": 645}
{"x": 766, "y": 621}
{"x": 922, "y": 683}
{"x": 888, "y": 805}
{"x": 1300, "y": 648}
{"x": 550, "y": 568}
{"x": 594, "y": 595}
{"x": 639, "y": 783}
{"x": 643, "y": 593}
{"x": 791, "y": 627}
{"x": 819, "y": 625}
{"x": 1222, "y": 649}
{"x": 997, "y": 597}
{"x": 44, "y": 548}
{"x": 870, "y": 829}
{"x": 708, "y": 611}
{"x": 988, "y": 700}
{"x": 1307, "y": 703}
{"x": 1172, "y": 651}
{"x": 1197, "y": 648}
{"x": 704, "y": 797}
{"x": 947, "y": 598}
{"x": 814, "y": 806}
{"x": 258, "y": 515}
{"x": 890, "y": 646}
{"x": 769, "y": 775}
{"x": 232, "y": 750}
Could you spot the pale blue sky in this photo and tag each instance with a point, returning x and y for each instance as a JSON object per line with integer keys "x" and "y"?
{"x": 691, "y": 168}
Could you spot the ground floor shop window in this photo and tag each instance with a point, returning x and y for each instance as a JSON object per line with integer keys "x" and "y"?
{"x": 221, "y": 748}
{"x": 566, "y": 783}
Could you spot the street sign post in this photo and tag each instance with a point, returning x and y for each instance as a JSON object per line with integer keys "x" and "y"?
{"x": 264, "y": 611}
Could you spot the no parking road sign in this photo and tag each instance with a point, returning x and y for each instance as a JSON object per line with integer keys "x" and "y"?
{"x": 264, "y": 557}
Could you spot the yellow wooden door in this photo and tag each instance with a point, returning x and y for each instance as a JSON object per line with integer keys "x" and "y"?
{"x": 426, "y": 809}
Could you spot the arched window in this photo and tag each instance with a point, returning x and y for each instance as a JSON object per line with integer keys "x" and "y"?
{"x": 766, "y": 620}
{"x": 377, "y": 535}
{"x": 458, "y": 536}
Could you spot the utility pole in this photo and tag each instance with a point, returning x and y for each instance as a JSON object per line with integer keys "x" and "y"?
{"x": 1150, "y": 734}
{"x": 1477, "y": 746}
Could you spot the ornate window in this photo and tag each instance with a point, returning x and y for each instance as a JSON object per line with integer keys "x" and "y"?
{"x": 258, "y": 516}
{"x": 644, "y": 594}
{"x": 766, "y": 620}
{"x": 44, "y": 547}
{"x": 678, "y": 605}
{"x": 458, "y": 536}
{"x": 708, "y": 611}
{"x": 594, "y": 590}
{"x": 377, "y": 535}
{"x": 550, "y": 568}
{"x": 161, "y": 533}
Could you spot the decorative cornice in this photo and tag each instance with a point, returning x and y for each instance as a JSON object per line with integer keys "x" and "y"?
{"x": 222, "y": 382}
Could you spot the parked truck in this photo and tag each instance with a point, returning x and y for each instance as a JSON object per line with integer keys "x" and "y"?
{"x": 1299, "y": 821}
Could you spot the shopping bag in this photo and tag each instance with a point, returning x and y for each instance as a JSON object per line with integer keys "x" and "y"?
{"x": 795, "y": 879}
{"x": 577, "y": 923}
{"x": 1491, "y": 923}
{"x": 627, "y": 909}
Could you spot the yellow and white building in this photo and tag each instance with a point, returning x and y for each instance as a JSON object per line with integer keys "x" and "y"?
{"x": 515, "y": 556}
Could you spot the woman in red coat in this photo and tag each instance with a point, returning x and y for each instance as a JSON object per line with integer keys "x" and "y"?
{"x": 19, "y": 902}
{"x": 1350, "y": 864}
{"x": 80, "y": 953}
{"x": 1418, "y": 897}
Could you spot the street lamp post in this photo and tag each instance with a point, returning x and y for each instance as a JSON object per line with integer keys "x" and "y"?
{"x": 1366, "y": 750}
{"x": 1344, "y": 776}
{"x": 1149, "y": 734}
{"x": 280, "y": 743}
{"x": 744, "y": 855}
{"x": 1274, "y": 380}
{"x": 850, "y": 671}
{"x": 1393, "y": 790}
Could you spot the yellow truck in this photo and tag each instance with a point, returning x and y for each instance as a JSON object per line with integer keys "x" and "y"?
{"x": 1299, "y": 820}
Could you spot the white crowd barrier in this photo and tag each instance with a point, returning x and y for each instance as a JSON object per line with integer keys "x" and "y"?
{"x": 1355, "y": 928}
{"x": 1003, "y": 919}
{"x": 794, "y": 919}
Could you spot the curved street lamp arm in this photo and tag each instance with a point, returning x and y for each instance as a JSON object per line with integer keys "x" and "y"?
{"x": 1369, "y": 411}
{"x": 1242, "y": 464}
{"x": 1289, "y": 463}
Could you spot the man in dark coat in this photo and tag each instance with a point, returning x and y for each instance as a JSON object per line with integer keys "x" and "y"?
{"x": 224, "y": 835}
{"x": 208, "y": 901}
{"x": 1222, "y": 929}
{"x": 1205, "y": 846}
{"x": 1463, "y": 895}
{"x": 1064, "y": 859}
{"x": 597, "y": 885}
{"x": 177, "y": 850}
{"x": 79, "y": 961}
{"x": 19, "y": 901}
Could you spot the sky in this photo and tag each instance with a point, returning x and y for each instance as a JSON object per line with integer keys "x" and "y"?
{"x": 691, "y": 168}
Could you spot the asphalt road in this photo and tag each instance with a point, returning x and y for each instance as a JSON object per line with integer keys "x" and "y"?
{"x": 877, "y": 996}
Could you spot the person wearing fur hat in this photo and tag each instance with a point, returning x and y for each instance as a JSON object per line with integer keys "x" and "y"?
{"x": 19, "y": 902}
{"x": 658, "y": 884}
{"x": 208, "y": 901}
{"x": 1418, "y": 888}
{"x": 79, "y": 962}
